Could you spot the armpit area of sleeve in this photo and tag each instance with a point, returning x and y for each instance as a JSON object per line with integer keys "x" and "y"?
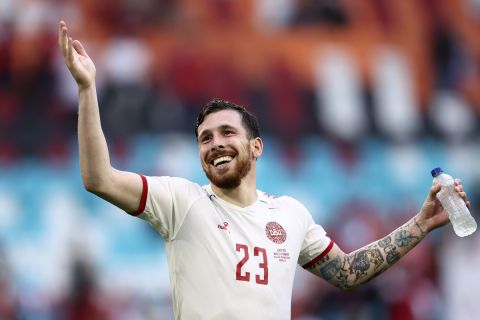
{"x": 143, "y": 198}
{"x": 320, "y": 256}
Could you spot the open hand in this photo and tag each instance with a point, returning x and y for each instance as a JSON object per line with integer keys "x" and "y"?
{"x": 76, "y": 58}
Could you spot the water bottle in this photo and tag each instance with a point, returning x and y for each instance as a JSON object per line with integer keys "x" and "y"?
{"x": 462, "y": 221}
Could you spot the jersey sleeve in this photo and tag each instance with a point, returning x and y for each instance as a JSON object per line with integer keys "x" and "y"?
{"x": 316, "y": 244}
{"x": 165, "y": 202}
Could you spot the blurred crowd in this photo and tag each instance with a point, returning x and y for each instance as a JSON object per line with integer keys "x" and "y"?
{"x": 347, "y": 72}
{"x": 345, "y": 68}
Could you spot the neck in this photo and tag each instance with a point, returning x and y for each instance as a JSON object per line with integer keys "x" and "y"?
{"x": 243, "y": 195}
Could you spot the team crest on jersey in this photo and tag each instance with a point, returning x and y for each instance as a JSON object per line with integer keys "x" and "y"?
{"x": 275, "y": 232}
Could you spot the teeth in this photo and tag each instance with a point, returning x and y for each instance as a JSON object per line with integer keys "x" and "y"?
{"x": 222, "y": 159}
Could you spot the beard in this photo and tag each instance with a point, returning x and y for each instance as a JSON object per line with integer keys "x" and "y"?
{"x": 234, "y": 176}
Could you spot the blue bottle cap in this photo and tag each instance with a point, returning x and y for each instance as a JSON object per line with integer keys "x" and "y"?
{"x": 436, "y": 172}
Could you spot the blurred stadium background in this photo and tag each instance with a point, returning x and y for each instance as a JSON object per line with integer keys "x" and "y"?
{"x": 358, "y": 101}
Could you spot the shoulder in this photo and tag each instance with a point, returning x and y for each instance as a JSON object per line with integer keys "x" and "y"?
{"x": 282, "y": 202}
{"x": 291, "y": 201}
{"x": 176, "y": 185}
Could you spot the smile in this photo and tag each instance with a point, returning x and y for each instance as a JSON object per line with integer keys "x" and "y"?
{"x": 222, "y": 160}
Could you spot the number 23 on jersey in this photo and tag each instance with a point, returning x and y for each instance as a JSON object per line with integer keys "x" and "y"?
{"x": 261, "y": 277}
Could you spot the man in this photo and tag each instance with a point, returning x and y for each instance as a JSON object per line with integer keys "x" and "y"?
{"x": 232, "y": 250}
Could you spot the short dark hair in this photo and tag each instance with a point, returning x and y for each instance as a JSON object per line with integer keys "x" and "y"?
{"x": 249, "y": 120}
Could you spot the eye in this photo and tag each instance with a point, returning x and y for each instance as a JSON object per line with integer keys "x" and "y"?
{"x": 229, "y": 132}
{"x": 206, "y": 139}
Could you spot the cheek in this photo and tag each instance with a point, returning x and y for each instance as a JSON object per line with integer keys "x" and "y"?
{"x": 201, "y": 156}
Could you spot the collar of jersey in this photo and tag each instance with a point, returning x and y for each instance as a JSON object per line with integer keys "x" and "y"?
{"x": 262, "y": 198}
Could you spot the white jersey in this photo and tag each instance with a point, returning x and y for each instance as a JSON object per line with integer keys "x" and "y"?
{"x": 225, "y": 261}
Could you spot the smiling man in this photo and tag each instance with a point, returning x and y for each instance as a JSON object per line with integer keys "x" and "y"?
{"x": 229, "y": 142}
{"x": 232, "y": 250}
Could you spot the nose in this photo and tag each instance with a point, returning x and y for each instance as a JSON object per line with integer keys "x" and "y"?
{"x": 217, "y": 146}
{"x": 218, "y": 142}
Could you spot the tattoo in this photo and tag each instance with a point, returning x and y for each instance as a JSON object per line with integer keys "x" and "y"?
{"x": 360, "y": 264}
{"x": 403, "y": 238}
{"x": 384, "y": 242}
{"x": 422, "y": 233}
{"x": 348, "y": 271}
{"x": 392, "y": 254}
{"x": 337, "y": 269}
{"x": 319, "y": 262}
{"x": 343, "y": 281}
{"x": 329, "y": 271}
{"x": 324, "y": 259}
{"x": 362, "y": 261}
{"x": 376, "y": 257}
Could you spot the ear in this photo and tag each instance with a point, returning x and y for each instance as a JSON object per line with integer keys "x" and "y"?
{"x": 257, "y": 147}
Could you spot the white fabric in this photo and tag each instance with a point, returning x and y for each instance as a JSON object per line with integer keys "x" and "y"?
{"x": 207, "y": 237}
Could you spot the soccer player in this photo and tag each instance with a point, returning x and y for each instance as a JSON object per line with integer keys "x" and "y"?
{"x": 232, "y": 250}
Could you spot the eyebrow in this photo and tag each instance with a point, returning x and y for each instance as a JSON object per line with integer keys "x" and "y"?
{"x": 223, "y": 127}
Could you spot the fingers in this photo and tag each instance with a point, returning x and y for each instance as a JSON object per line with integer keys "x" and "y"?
{"x": 62, "y": 38}
{"x": 458, "y": 185}
{"x": 69, "y": 56}
{"x": 434, "y": 190}
{"x": 461, "y": 192}
{"x": 464, "y": 196}
{"x": 77, "y": 45}
{"x": 67, "y": 44}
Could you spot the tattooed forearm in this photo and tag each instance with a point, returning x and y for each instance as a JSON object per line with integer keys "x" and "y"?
{"x": 403, "y": 238}
{"x": 358, "y": 264}
{"x": 423, "y": 233}
{"x": 320, "y": 262}
{"x": 363, "y": 260}
{"x": 389, "y": 249}
{"x": 336, "y": 271}
{"x": 331, "y": 269}
{"x": 348, "y": 271}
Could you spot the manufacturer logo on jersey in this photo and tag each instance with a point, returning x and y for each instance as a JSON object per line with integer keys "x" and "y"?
{"x": 275, "y": 232}
{"x": 224, "y": 226}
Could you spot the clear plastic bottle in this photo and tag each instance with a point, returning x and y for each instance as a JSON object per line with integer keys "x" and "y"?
{"x": 462, "y": 221}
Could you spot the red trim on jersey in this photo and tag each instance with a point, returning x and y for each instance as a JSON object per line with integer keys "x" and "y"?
{"x": 323, "y": 254}
{"x": 143, "y": 199}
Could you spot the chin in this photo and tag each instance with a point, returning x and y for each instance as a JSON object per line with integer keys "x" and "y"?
{"x": 224, "y": 182}
{"x": 232, "y": 177}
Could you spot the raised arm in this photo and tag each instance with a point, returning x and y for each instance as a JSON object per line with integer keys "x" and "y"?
{"x": 348, "y": 271}
{"x": 122, "y": 189}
